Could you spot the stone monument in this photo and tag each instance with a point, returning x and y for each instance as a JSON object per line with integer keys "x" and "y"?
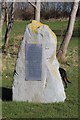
{"x": 37, "y": 78}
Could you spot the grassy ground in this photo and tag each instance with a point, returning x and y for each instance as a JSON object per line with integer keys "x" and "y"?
{"x": 68, "y": 109}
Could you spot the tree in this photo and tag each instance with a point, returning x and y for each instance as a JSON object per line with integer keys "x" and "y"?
{"x": 36, "y": 6}
{"x": 9, "y": 26}
{"x": 2, "y": 14}
{"x": 6, "y": 13}
{"x": 61, "y": 55}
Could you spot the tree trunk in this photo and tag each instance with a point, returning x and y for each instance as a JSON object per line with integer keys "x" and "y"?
{"x": 6, "y": 13}
{"x": 37, "y": 11}
{"x": 37, "y": 7}
{"x": 2, "y": 14}
{"x": 9, "y": 27}
{"x": 61, "y": 55}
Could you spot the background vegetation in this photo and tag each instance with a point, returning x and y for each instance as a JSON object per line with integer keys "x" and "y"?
{"x": 49, "y": 10}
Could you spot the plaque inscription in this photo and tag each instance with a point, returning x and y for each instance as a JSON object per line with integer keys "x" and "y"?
{"x": 33, "y": 68}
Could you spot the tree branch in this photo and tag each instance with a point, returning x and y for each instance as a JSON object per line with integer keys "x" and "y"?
{"x": 32, "y": 4}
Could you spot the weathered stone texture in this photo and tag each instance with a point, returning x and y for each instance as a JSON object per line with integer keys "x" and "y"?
{"x": 50, "y": 88}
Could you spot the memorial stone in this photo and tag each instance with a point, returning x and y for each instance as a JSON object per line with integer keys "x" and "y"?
{"x": 37, "y": 78}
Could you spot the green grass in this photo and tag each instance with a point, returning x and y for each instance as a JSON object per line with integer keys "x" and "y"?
{"x": 29, "y": 110}
{"x": 68, "y": 109}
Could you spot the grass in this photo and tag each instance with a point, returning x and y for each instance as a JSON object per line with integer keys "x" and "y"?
{"x": 29, "y": 110}
{"x": 68, "y": 109}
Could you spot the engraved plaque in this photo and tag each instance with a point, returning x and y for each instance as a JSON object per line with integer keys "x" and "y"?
{"x": 33, "y": 68}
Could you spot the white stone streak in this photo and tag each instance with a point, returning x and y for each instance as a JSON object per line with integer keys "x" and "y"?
{"x": 50, "y": 88}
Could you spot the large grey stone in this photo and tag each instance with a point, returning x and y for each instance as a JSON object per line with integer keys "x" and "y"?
{"x": 47, "y": 86}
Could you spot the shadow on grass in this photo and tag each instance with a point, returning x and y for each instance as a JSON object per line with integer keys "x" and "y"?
{"x": 5, "y": 94}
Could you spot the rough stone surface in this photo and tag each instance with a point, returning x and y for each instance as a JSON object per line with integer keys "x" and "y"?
{"x": 50, "y": 88}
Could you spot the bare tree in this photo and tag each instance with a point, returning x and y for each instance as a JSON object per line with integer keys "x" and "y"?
{"x": 61, "y": 55}
{"x": 36, "y": 6}
{"x": 2, "y": 14}
{"x": 9, "y": 26}
{"x": 6, "y": 13}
